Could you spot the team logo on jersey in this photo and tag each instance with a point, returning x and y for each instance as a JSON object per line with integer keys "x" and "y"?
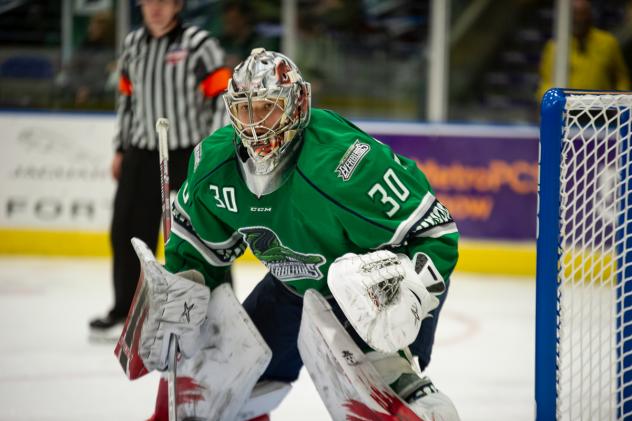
{"x": 284, "y": 263}
{"x": 175, "y": 54}
{"x": 351, "y": 159}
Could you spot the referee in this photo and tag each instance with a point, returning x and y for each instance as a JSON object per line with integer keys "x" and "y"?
{"x": 167, "y": 69}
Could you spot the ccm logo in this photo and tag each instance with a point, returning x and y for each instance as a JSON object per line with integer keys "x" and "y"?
{"x": 254, "y": 209}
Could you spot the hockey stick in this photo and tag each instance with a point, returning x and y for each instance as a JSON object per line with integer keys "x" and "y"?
{"x": 162, "y": 127}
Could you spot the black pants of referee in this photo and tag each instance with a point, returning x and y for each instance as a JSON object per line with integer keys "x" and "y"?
{"x": 137, "y": 213}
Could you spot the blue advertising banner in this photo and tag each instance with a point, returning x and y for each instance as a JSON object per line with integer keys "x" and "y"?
{"x": 487, "y": 176}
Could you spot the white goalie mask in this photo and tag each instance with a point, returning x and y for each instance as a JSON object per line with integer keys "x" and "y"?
{"x": 269, "y": 104}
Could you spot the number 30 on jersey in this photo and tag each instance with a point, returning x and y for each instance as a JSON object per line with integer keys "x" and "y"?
{"x": 395, "y": 188}
{"x": 224, "y": 197}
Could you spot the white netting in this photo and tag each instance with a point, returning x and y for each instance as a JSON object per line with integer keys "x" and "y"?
{"x": 595, "y": 180}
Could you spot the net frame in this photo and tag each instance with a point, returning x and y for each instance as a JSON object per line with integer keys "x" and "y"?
{"x": 584, "y": 257}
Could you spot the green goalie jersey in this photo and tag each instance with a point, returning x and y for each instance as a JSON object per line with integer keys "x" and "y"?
{"x": 347, "y": 193}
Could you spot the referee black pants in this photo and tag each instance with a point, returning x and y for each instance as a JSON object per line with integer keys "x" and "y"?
{"x": 137, "y": 213}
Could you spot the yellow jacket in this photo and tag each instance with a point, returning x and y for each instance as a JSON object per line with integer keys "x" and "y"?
{"x": 599, "y": 67}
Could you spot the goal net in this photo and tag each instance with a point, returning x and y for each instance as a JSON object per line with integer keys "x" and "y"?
{"x": 584, "y": 257}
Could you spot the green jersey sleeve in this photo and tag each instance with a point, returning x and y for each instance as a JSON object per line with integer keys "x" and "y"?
{"x": 212, "y": 246}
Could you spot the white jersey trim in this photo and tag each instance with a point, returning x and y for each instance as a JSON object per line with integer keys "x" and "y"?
{"x": 439, "y": 231}
{"x": 198, "y": 245}
{"x": 408, "y": 223}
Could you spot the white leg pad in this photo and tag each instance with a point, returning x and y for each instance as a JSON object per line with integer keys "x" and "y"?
{"x": 265, "y": 397}
{"x": 345, "y": 378}
{"x": 216, "y": 382}
{"x": 437, "y": 405}
{"x": 354, "y": 385}
{"x": 422, "y": 396}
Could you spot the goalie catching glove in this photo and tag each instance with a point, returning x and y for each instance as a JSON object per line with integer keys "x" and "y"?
{"x": 384, "y": 298}
{"x": 178, "y": 305}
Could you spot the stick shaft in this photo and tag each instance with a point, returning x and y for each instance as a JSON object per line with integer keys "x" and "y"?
{"x": 172, "y": 378}
{"x": 162, "y": 128}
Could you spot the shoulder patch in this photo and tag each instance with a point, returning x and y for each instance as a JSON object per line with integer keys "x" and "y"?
{"x": 351, "y": 159}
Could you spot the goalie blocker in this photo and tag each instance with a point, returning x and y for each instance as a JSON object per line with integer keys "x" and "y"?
{"x": 163, "y": 304}
{"x": 216, "y": 372}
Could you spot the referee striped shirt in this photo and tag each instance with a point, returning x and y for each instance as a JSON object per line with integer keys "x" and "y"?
{"x": 180, "y": 76}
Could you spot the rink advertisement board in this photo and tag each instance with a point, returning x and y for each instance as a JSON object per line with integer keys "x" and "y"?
{"x": 55, "y": 174}
{"x": 55, "y": 171}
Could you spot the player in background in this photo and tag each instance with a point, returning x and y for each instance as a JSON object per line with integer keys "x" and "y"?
{"x": 323, "y": 206}
{"x": 595, "y": 57}
{"x": 167, "y": 69}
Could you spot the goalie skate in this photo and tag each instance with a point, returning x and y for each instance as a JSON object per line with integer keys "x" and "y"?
{"x": 349, "y": 385}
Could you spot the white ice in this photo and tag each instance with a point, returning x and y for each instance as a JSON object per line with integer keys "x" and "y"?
{"x": 483, "y": 356}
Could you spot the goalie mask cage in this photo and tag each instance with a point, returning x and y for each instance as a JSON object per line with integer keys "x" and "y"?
{"x": 584, "y": 258}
